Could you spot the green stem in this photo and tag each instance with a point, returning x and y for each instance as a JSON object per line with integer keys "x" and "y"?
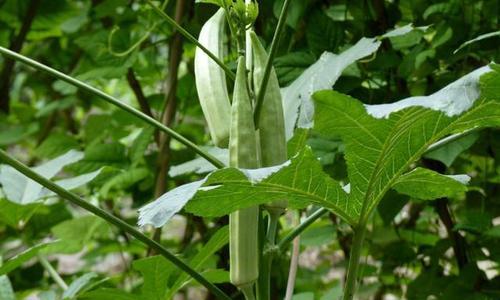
{"x": 299, "y": 229}
{"x": 112, "y": 100}
{"x": 191, "y": 38}
{"x": 269, "y": 63}
{"x": 352, "y": 270}
{"x": 248, "y": 292}
{"x": 71, "y": 197}
{"x": 52, "y": 272}
{"x": 264, "y": 281}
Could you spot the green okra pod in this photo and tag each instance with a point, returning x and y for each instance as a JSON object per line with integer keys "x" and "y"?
{"x": 244, "y": 252}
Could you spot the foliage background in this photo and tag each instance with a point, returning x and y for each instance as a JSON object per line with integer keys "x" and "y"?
{"x": 409, "y": 241}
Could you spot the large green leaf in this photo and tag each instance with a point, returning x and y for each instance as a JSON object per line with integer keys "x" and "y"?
{"x": 298, "y": 106}
{"x": 379, "y": 150}
{"x": 300, "y": 180}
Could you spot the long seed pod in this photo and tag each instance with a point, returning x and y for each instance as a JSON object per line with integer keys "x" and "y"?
{"x": 272, "y": 124}
{"x": 243, "y": 239}
{"x": 211, "y": 79}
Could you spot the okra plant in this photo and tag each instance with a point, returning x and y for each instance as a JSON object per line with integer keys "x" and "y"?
{"x": 291, "y": 154}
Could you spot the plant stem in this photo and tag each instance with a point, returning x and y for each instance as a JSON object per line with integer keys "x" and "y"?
{"x": 191, "y": 38}
{"x": 16, "y": 45}
{"x": 52, "y": 272}
{"x": 248, "y": 292}
{"x": 352, "y": 270}
{"x": 299, "y": 229}
{"x": 76, "y": 200}
{"x": 112, "y": 100}
{"x": 269, "y": 63}
{"x": 294, "y": 262}
{"x": 264, "y": 281}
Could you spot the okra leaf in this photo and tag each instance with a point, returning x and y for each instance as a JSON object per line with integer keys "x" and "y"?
{"x": 425, "y": 184}
{"x": 298, "y": 106}
{"x": 301, "y": 181}
{"x": 383, "y": 141}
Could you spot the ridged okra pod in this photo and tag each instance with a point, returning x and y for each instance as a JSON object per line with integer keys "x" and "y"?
{"x": 273, "y": 150}
{"x": 243, "y": 227}
{"x": 211, "y": 79}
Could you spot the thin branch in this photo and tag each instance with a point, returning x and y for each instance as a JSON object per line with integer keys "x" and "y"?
{"x": 113, "y": 101}
{"x": 52, "y": 272}
{"x": 191, "y": 38}
{"x": 299, "y": 229}
{"x": 459, "y": 244}
{"x": 16, "y": 45}
{"x": 168, "y": 114}
{"x": 294, "y": 263}
{"x": 76, "y": 200}
{"x": 269, "y": 63}
{"x": 135, "y": 85}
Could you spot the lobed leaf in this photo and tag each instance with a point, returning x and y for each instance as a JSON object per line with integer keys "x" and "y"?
{"x": 379, "y": 150}
{"x": 301, "y": 181}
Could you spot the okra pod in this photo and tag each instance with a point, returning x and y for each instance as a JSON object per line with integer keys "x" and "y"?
{"x": 211, "y": 79}
{"x": 273, "y": 150}
{"x": 243, "y": 241}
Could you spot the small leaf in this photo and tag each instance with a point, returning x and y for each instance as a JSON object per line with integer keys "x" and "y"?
{"x": 216, "y": 242}
{"x": 200, "y": 165}
{"x": 107, "y": 294}
{"x": 12, "y": 213}
{"x": 425, "y": 184}
{"x": 493, "y": 232}
{"x": 78, "y": 285}
{"x": 124, "y": 180}
{"x": 449, "y": 152}
{"x": 22, "y": 190}
{"x": 158, "y": 212}
{"x": 477, "y": 39}
{"x": 21, "y": 258}
{"x": 140, "y": 145}
{"x": 216, "y": 2}
{"x": 156, "y": 271}
{"x": 74, "y": 234}
{"x": 6, "y": 291}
